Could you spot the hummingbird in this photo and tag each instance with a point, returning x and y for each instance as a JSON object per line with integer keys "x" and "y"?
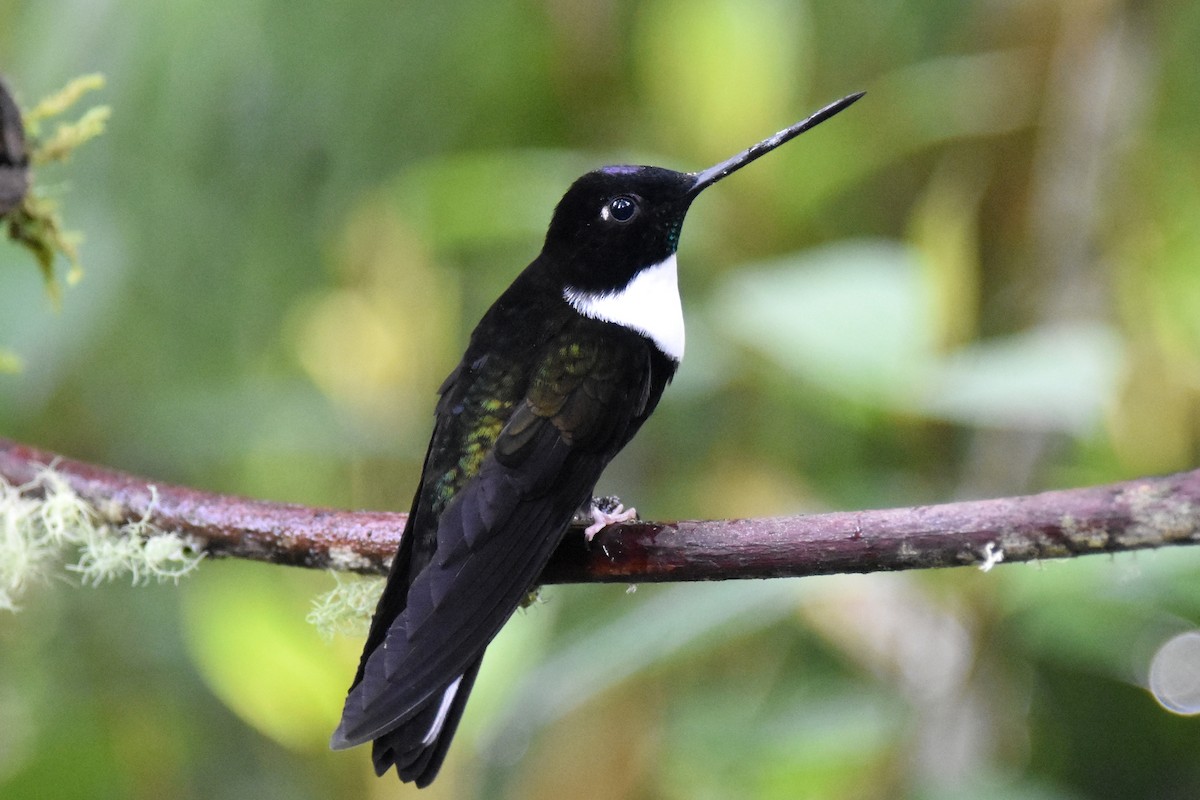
{"x": 557, "y": 377}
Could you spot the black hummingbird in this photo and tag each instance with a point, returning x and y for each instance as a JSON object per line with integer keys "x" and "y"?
{"x": 559, "y": 375}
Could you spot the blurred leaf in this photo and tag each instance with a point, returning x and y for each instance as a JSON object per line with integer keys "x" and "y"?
{"x": 945, "y": 229}
{"x": 472, "y": 200}
{"x": 853, "y": 318}
{"x": 719, "y": 72}
{"x": 908, "y": 111}
{"x": 957, "y": 96}
{"x": 244, "y": 624}
{"x": 806, "y": 747}
{"x": 50, "y": 345}
{"x": 653, "y": 631}
{"x": 1056, "y": 378}
{"x": 1101, "y": 615}
{"x": 997, "y": 788}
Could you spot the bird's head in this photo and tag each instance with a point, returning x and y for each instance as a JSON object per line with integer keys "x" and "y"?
{"x": 615, "y": 222}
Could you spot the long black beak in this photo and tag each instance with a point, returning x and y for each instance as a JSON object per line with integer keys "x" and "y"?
{"x": 713, "y": 174}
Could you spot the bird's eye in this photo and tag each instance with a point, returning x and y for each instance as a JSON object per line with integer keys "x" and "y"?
{"x": 621, "y": 209}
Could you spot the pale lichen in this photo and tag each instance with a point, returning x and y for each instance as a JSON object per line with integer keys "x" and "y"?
{"x": 1014, "y": 542}
{"x": 992, "y": 556}
{"x": 1089, "y": 535}
{"x": 43, "y": 521}
{"x": 347, "y": 559}
{"x": 1158, "y": 517}
{"x": 347, "y": 607}
{"x": 907, "y": 553}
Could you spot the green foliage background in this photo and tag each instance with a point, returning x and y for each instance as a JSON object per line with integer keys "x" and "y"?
{"x": 981, "y": 280}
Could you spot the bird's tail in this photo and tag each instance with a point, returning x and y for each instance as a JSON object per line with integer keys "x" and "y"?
{"x": 418, "y": 746}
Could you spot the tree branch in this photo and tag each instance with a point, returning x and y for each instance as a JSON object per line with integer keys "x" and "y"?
{"x": 14, "y": 162}
{"x": 1132, "y": 515}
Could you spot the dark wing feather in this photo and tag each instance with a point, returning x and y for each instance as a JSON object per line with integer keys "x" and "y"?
{"x": 413, "y": 758}
{"x": 589, "y": 392}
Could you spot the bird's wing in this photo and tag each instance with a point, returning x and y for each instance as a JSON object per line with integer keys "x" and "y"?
{"x": 395, "y": 593}
{"x": 586, "y": 398}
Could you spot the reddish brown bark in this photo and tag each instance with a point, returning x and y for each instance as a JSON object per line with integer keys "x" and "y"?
{"x": 1138, "y": 514}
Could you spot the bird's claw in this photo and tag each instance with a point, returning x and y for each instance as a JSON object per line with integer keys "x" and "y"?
{"x": 603, "y": 518}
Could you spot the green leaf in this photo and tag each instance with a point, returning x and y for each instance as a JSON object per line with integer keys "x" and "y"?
{"x": 852, "y": 317}
{"x": 245, "y": 627}
{"x": 1056, "y": 378}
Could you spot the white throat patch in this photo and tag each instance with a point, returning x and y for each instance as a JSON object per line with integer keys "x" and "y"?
{"x": 649, "y": 304}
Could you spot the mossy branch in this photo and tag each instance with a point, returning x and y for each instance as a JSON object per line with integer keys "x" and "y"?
{"x": 43, "y": 517}
{"x": 1131, "y": 515}
{"x": 31, "y": 218}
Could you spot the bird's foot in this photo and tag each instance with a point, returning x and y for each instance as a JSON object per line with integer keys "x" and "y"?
{"x": 605, "y": 511}
{"x": 583, "y": 514}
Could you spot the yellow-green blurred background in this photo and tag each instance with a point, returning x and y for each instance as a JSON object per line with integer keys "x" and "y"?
{"x": 983, "y": 279}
